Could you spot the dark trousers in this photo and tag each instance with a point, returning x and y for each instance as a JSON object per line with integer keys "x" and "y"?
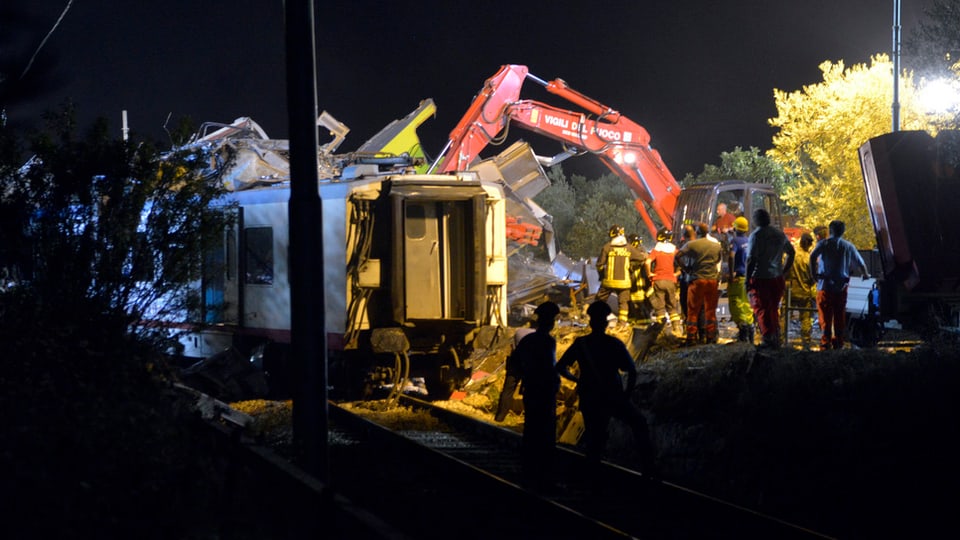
{"x": 506, "y": 396}
{"x": 539, "y": 439}
{"x": 596, "y": 423}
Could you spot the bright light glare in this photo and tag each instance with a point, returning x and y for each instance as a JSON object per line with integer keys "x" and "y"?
{"x": 940, "y": 95}
{"x": 629, "y": 158}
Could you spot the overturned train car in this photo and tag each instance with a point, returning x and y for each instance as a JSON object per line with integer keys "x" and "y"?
{"x": 912, "y": 183}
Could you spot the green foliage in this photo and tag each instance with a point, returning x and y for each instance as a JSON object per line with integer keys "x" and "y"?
{"x": 103, "y": 223}
{"x": 88, "y": 415}
{"x": 748, "y": 165}
{"x": 934, "y": 45}
{"x": 559, "y": 200}
{"x": 182, "y": 131}
{"x": 820, "y": 129}
{"x": 583, "y": 211}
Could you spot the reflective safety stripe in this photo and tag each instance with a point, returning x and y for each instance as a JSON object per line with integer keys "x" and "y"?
{"x": 617, "y": 274}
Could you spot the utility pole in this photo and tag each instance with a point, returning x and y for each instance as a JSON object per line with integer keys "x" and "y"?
{"x": 896, "y": 65}
{"x": 308, "y": 334}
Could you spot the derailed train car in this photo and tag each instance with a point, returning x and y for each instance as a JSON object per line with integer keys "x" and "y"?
{"x": 912, "y": 183}
{"x": 413, "y": 267}
{"x": 414, "y": 270}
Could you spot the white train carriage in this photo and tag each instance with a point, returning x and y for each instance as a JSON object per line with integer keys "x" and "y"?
{"x": 413, "y": 266}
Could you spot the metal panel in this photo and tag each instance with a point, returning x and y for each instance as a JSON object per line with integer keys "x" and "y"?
{"x": 913, "y": 192}
{"x": 422, "y": 258}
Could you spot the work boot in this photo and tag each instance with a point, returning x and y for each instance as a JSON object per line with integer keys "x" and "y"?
{"x": 710, "y": 333}
{"x": 693, "y": 335}
{"x": 770, "y": 341}
{"x": 677, "y": 328}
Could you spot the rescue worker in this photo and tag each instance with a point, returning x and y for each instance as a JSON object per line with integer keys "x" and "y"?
{"x": 703, "y": 265}
{"x": 803, "y": 288}
{"x": 511, "y": 376}
{"x": 724, "y": 222}
{"x": 703, "y": 231}
{"x": 600, "y": 359}
{"x": 740, "y": 311}
{"x": 682, "y": 263}
{"x": 614, "y": 264}
{"x": 766, "y": 267}
{"x": 820, "y": 232}
{"x": 537, "y": 357}
{"x": 640, "y": 288}
{"x": 831, "y": 262}
{"x": 661, "y": 267}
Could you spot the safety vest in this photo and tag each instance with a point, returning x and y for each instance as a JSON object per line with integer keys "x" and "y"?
{"x": 617, "y": 271}
{"x": 638, "y": 288}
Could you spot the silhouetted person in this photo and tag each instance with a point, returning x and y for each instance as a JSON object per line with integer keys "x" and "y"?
{"x": 536, "y": 355}
{"x": 600, "y": 359}
{"x": 511, "y": 376}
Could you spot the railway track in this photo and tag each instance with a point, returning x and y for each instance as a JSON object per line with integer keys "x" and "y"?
{"x": 460, "y": 477}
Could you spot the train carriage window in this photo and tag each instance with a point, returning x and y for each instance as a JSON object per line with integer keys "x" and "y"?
{"x": 416, "y": 224}
{"x": 259, "y": 255}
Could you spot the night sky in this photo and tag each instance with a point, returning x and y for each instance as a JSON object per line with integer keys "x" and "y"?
{"x": 699, "y": 75}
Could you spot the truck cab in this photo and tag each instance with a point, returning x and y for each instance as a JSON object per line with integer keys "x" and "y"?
{"x": 698, "y": 203}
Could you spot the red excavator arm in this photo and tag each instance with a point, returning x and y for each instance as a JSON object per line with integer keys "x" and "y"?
{"x": 621, "y": 144}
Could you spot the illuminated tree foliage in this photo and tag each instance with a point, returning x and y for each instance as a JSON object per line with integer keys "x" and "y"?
{"x": 820, "y": 129}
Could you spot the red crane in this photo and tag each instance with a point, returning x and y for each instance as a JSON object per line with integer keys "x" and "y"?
{"x": 621, "y": 144}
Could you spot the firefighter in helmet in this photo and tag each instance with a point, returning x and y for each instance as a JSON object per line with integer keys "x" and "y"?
{"x": 640, "y": 288}
{"x": 614, "y": 267}
{"x": 663, "y": 272}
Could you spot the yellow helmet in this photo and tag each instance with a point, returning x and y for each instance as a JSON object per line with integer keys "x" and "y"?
{"x": 740, "y": 224}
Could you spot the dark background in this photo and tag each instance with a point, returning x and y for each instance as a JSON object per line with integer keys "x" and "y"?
{"x": 698, "y": 75}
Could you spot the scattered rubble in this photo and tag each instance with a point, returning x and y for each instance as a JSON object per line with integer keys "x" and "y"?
{"x": 818, "y": 438}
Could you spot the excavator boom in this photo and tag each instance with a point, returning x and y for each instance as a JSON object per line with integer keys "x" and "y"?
{"x": 621, "y": 144}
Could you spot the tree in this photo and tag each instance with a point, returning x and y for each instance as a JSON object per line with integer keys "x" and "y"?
{"x": 820, "y": 129}
{"x": 749, "y": 165}
{"x": 559, "y": 200}
{"x": 100, "y": 227}
{"x": 584, "y": 210}
{"x": 934, "y": 46}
